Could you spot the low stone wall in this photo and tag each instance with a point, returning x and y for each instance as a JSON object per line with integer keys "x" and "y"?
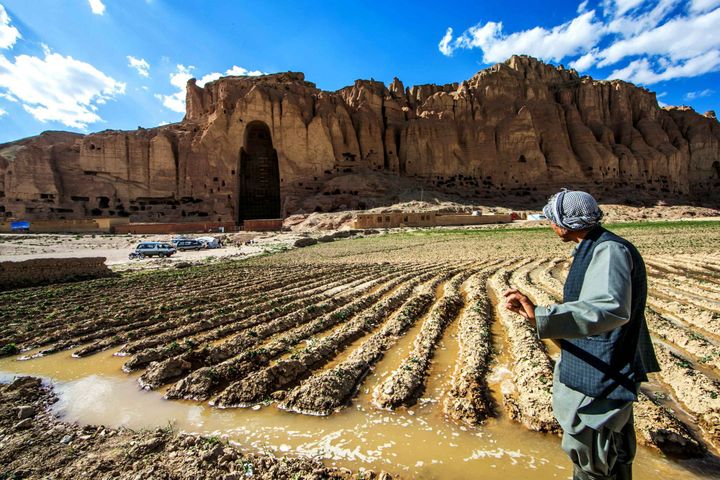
{"x": 168, "y": 228}
{"x": 450, "y": 220}
{"x": 394, "y": 220}
{"x": 416, "y": 219}
{"x": 44, "y": 271}
{"x": 265, "y": 225}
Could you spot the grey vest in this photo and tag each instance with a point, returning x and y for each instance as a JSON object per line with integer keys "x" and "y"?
{"x": 610, "y": 364}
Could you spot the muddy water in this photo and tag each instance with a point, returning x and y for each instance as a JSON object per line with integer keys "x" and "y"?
{"x": 417, "y": 443}
{"x": 442, "y": 366}
{"x": 500, "y": 378}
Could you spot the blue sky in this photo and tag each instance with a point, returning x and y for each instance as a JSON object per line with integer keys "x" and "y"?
{"x": 90, "y": 65}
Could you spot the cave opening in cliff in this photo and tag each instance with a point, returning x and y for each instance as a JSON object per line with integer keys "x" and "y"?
{"x": 258, "y": 175}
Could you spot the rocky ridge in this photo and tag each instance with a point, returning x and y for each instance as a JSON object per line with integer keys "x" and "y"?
{"x": 516, "y": 128}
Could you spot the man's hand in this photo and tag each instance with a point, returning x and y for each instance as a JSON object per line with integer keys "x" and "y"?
{"x": 519, "y": 303}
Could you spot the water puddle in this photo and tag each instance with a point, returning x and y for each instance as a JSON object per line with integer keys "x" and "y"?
{"x": 394, "y": 356}
{"x": 416, "y": 444}
{"x": 500, "y": 378}
{"x": 442, "y": 365}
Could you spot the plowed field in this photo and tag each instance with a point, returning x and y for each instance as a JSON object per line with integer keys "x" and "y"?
{"x": 390, "y": 324}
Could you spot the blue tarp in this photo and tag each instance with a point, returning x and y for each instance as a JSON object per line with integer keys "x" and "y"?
{"x": 20, "y": 225}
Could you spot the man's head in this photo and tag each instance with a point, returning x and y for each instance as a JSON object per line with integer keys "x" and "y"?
{"x": 572, "y": 214}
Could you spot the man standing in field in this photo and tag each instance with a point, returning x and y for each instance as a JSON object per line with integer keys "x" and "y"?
{"x": 605, "y": 345}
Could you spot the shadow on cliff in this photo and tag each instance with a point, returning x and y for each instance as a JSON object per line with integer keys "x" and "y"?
{"x": 373, "y": 189}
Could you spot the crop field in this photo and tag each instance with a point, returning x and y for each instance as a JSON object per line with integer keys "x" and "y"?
{"x": 302, "y": 331}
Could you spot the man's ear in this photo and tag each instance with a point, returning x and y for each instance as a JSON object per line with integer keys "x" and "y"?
{"x": 560, "y": 231}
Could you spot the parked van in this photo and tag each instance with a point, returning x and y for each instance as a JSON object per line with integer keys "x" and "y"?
{"x": 189, "y": 244}
{"x": 153, "y": 249}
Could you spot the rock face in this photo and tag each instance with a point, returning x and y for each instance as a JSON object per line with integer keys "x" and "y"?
{"x": 253, "y": 147}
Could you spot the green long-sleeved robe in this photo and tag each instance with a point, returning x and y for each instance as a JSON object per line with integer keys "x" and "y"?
{"x": 597, "y": 431}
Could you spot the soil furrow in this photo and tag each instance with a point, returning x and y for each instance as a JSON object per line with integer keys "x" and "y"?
{"x": 550, "y": 282}
{"x": 559, "y": 271}
{"x": 699, "y": 394}
{"x": 520, "y": 279}
{"x": 406, "y": 383}
{"x": 190, "y": 337}
{"x": 72, "y": 333}
{"x": 201, "y": 384}
{"x": 161, "y": 298}
{"x": 690, "y": 315}
{"x": 145, "y": 328}
{"x": 200, "y": 321}
{"x": 532, "y": 369}
{"x": 258, "y": 386}
{"x": 253, "y": 331}
{"x": 682, "y": 283}
{"x": 468, "y": 400}
{"x": 131, "y": 333}
{"x": 657, "y": 427}
{"x": 329, "y": 390}
{"x": 695, "y": 344}
{"x": 706, "y": 303}
{"x": 681, "y": 268}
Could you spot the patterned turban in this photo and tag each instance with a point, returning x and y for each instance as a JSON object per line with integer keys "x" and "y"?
{"x": 573, "y": 210}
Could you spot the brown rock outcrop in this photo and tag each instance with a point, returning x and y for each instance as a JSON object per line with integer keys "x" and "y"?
{"x": 516, "y": 127}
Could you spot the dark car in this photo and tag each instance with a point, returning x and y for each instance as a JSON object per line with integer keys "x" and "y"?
{"x": 189, "y": 244}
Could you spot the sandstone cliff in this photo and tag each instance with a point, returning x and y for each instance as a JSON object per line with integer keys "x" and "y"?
{"x": 516, "y": 128}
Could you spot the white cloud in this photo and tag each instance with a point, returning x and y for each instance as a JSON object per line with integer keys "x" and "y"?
{"x": 8, "y": 97}
{"x": 644, "y": 41}
{"x": 140, "y": 65}
{"x": 639, "y": 69}
{"x": 243, "y": 72}
{"x": 233, "y": 71}
{"x": 620, "y": 7}
{"x": 444, "y": 45}
{"x": 58, "y": 88}
{"x": 176, "y": 101}
{"x": 642, "y": 71}
{"x": 679, "y": 39}
{"x": 97, "y": 7}
{"x": 628, "y": 25}
{"x": 2, "y": 112}
{"x": 585, "y": 62}
{"x": 8, "y": 33}
{"x": 574, "y": 37}
{"x": 698, "y": 6}
{"x": 179, "y": 78}
{"x": 699, "y": 94}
